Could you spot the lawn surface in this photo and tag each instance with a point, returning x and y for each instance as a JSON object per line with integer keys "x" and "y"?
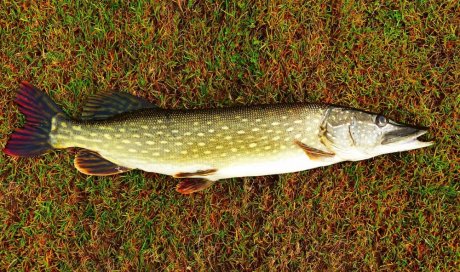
{"x": 394, "y": 212}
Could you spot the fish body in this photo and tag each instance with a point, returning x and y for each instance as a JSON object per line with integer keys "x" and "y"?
{"x": 237, "y": 142}
{"x": 119, "y": 132}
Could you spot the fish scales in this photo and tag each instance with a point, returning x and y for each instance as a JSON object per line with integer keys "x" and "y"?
{"x": 118, "y": 132}
{"x": 217, "y": 137}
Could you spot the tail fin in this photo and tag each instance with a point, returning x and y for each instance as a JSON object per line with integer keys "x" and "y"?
{"x": 39, "y": 109}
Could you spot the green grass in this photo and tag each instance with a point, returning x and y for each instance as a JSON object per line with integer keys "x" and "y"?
{"x": 394, "y": 212}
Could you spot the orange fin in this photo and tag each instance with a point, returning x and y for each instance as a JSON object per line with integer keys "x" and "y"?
{"x": 314, "y": 153}
{"x": 193, "y": 185}
{"x": 194, "y": 174}
{"x": 91, "y": 163}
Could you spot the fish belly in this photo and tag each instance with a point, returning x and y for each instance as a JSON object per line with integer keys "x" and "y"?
{"x": 289, "y": 162}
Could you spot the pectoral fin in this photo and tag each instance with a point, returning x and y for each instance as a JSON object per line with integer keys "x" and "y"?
{"x": 193, "y": 185}
{"x": 314, "y": 153}
{"x": 91, "y": 163}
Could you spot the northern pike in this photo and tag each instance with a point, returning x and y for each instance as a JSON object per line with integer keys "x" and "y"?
{"x": 118, "y": 132}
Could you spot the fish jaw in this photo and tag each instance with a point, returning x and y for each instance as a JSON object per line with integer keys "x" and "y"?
{"x": 408, "y": 142}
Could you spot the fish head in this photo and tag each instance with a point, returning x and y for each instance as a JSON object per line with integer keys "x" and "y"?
{"x": 358, "y": 135}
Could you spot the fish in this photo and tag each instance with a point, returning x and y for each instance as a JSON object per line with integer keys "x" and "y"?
{"x": 118, "y": 132}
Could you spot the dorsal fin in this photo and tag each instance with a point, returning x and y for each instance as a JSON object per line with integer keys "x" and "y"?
{"x": 105, "y": 105}
{"x": 91, "y": 163}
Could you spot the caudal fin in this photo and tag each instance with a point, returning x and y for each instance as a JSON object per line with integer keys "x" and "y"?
{"x": 39, "y": 109}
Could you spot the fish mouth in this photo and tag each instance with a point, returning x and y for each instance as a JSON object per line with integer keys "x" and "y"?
{"x": 406, "y": 135}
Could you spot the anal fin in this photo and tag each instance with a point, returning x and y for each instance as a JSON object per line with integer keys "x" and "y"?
{"x": 189, "y": 186}
{"x": 314, "y": 153}
{"x": 91, "y": 163}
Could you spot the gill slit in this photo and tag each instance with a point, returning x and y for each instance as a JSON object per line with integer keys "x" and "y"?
{"x": 323, "y": 131}
{"x": 349, "y": 130}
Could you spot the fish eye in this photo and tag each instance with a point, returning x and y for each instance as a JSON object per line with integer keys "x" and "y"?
{"x": 381, "y": 120}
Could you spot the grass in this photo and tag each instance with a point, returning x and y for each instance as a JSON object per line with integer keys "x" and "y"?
{"x": 394, "y": 212}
